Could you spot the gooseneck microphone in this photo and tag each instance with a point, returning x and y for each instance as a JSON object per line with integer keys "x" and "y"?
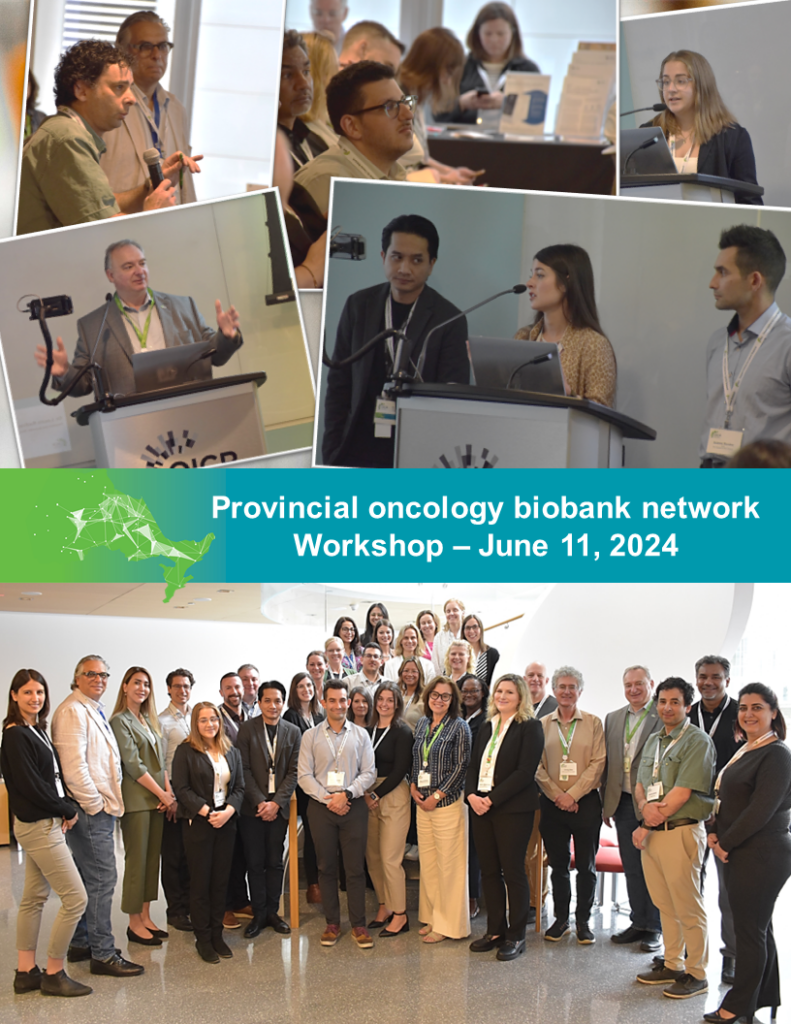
{"x": 656, "y": 107}
{"x": 154, "y": 164}
{"x": 643, "y": 145}
{"x": 543, "y": 358}
{"x": 517, "y": 289}
{"x": 101, "y": 391}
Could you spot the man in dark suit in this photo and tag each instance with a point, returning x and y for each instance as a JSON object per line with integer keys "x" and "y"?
{"x": 270, "y": 751}
{"x": 352, "y": 437}
{"x": 625, "y": 733}
{"x": 135, "y": 320}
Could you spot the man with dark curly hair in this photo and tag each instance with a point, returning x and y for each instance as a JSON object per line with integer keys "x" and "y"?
{"x": 62, "y": 182}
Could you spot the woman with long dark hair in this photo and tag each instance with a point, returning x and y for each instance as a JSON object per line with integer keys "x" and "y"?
{"x": 750, "y": 836}
{"x": 703, "y": 135}
{"x": 486, "y": 656}
{"x": 43, "y": 814}
{"x": 346, "y": 629}
{"x": 562, "y": 294}
{"x": 373, "y": 617}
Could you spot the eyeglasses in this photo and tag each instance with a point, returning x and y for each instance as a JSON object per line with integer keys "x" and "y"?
{"x": 146, "y": 49}
{"x": 104, "y": 676}
{"x": 392, "y": 108}
{"x": 445, "y": 698}
{"x": 682, "y": 81}
{"x": 208, "y": 721}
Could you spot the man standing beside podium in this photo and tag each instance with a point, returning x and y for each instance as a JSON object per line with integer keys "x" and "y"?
{"x": 358, "y": 420}
{"x": 136, "y": 319}
{"x": 748, "y": 363}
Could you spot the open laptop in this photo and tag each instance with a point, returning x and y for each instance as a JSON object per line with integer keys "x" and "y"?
{"x": 656, "y": 158}
{"x": 167, "y": 367}
{"x": 496, "y": 361}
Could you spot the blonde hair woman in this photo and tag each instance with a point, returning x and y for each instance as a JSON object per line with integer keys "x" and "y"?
{"x": 459, "y": 660}
{"x": 704, "y": 136}
{"x": 208, "y": 780}
{"x": 147, "y": 795}
{"x": 453, "y": 610}
{"x": 408, "y": 644}
{"x": 502, "y": 792}
{"x": 323, "y": 67}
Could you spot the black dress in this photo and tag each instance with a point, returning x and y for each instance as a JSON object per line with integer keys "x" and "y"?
{"x": 752, "y": 827}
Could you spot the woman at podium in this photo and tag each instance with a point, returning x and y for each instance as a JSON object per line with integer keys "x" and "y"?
{"x": 562, "y": 295}
{"x": 703, "y": 135}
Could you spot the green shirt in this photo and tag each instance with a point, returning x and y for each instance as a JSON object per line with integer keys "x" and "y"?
{"x": 690, "y": 765}
{"x": 62, "y": 182}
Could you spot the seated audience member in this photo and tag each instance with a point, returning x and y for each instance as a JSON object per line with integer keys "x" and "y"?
{"x": 157, "y": 120}
{"x": 296, "y": 97}
{"x": 269, "y": 748}
{"x": 571, "y": 769}
{"x": 410, "y": 244}
{"x": 306, "y": 225}
{"x": 703, "y": 135}
{"x": 370, "y": 40}
{"x": 62, "y": 181}
{"x": 431, "y": 71}
{"x": 209, "y": 784}
{"x": 323, "y": 68}
{"x": 495, "y": 45}
{"x": 360, "y": 706}
{"x": 328, "y": 17}
{"x": 389, "y": 807}
{"x": 486, "y": 656}
{"x": 562, "y": 294}
{"x": 373, "y": 120}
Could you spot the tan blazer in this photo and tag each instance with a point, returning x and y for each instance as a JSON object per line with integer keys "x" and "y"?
{"x": 89, "y": 755}
{"x": 139, "y": 755}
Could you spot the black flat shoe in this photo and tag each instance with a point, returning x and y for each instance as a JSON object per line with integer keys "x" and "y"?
{"x": 385, "y": 933}
{"x": 373, "y": 925}
{"x": 134, "y": 937}
{"x": 486, "y": 943}
{"x": 27, "y": 981}
{"x": 61, "y": 984}
{"x": 181, "y": 923}
{"x": 158, "y": 933}
{"x": 255, "y": 928}
{"x": 221, "y": 948}
{"x": 116, "y": 967}
{"x": 715, "y": 1018}
{"x": 510, "y": 950}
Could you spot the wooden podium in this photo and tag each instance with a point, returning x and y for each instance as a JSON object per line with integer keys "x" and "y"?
{"x": 460, "y": 426}
{"x": 204, "y": 423}
{"x": 701, "y": 188}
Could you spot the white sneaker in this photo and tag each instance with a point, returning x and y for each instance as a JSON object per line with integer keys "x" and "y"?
{"x": 412, "y": 853}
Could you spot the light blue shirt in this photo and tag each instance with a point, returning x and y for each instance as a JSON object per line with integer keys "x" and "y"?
{"x": 318, "y": 756}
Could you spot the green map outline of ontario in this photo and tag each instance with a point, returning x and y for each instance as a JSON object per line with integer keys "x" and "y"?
{"x": 123, "y": 523}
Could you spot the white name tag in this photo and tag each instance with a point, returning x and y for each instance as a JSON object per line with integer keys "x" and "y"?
{"x": 219, "y": 799}
{"x": 384, "y": 417}
{"x": 272, "y": 786}
{"x": 654, "y": 792}
{"x": 568, "y": 769}
{"x": 486, "y": 783}
{"x": 335, "y": 780}
{"x": 424, "y": 780}
{"x": 724, "y": 443}
{"x": 59, "y": 786}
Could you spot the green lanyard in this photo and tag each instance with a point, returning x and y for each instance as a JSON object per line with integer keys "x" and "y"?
{"x": 565, "y": 741}
{"x": 141, "y": 335}
{"x": 639, "y": 722}
{"x": 427, "y": 746}
{"x": 493, "y": 744}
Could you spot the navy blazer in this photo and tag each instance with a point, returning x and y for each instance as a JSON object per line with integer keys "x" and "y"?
{"x": 193, "y": 780}
{"x": 515, "y": 790}
{"x": 256, "y": 762}
{"x": 728, "y": 155}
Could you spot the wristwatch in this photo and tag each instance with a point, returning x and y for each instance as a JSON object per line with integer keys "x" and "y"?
{"x": 348, "y": 794}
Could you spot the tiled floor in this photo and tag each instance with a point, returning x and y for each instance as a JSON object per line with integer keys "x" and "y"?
{"x": 280, "y": 979}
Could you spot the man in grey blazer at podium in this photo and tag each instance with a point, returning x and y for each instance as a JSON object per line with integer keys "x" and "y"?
{"x": 625, "y": 733}
{"x": 136, "y": 319}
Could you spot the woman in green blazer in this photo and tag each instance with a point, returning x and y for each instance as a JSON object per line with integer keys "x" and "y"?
{"x": 147, "y": 795}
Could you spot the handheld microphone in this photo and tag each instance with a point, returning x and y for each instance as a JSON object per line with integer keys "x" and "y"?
{"x": 518, "y": 289}
{"x": 656, "y": 107}
{"x": 154, "y": 163}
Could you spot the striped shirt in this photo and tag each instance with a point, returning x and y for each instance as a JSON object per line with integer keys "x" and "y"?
{"x": 447, "y": 759}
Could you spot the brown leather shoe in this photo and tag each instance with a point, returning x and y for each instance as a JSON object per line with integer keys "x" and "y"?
{"x": 230, "y": 920}
{"x": 245, "y": 912}
{"x": 314, "y": 894}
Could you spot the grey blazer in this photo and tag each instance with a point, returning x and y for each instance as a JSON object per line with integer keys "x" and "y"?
{"x": 182, "y": 324}
{"x": 612, "y": 784}
{"x": 255, "y": 764}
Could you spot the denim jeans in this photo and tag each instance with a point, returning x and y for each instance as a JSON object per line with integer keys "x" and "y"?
{"x": 93, "y": 848}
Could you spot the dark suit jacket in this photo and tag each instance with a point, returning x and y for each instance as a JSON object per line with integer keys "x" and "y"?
{"x": 549, "y": 705}
{"x": 352, "y": 390}
{"x": 193, "y": 780}
{"x": 293, "y": 716}
{"x": 612, "y": 783}
{"x": 471, "y": 79}
{"x": 256, "y": 763}
{"x": 515, "y": 790}
{"x": 729, "y": 155}
{"x": 182, "y": 324}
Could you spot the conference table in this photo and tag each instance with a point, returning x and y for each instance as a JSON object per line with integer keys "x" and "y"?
{"x": 543, "y": 163}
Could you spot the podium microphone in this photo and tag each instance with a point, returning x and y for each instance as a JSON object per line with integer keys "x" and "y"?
{"x": 543, "y": 358}
{"x": 518, "y": 289}
{"x": 154, "y": 163}
{"x": 644, "y": 145}
{"x": 101, "y": 390}
{"x": 656, "y": 107}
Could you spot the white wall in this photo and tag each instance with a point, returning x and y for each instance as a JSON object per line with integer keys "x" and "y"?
{"x": 388, "y": 12}
{"x": 748, "y": 49}
{"x": 209, "y": 251}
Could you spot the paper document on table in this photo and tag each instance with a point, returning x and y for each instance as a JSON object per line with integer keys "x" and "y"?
{"x": 583, "y": 106}
{"x": 525, "y": 104}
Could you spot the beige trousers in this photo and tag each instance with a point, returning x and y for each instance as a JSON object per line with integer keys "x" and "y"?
{"x": 671, "y": 866}
{"x": 384, "y": 853}
{"x": 49, "y": 866}
{"x": 444, "y": 889}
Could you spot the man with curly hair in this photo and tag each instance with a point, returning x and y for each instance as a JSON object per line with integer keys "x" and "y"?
{"x": 62, "y": 181}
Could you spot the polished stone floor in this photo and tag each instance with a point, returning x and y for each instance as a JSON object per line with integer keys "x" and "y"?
{"x": 277, "y": 979}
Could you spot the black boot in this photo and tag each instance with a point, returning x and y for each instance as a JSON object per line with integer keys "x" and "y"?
{"x": 255, "y": 927}
{"x": 61, "y": 984}
{"x": 27, "y": 981}
{"x": 206, "y": 951}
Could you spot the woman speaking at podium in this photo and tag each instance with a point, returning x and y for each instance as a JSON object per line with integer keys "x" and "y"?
{"x": 703, "y": 135}
{"x": 561, "y": 294}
